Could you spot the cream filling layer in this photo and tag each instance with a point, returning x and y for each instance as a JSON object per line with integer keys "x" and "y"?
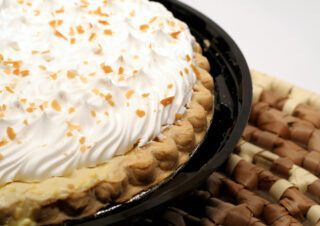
{"x": 83, "y": 81}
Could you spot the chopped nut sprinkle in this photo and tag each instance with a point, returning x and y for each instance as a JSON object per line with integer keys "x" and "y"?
{"x": 167, "y": 101}
{"x": 93, "y": 113}
{"x": 129, "y": 93}
{"x": 1, "y": 157}
{"x": 140, "y": 113}
{"x": 170, "y": 86}
{"x": 56, "y": 105}
{"x": 11, "y": 133}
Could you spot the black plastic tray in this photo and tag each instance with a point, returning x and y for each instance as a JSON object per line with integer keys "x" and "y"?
{"x": 233, "y": 101}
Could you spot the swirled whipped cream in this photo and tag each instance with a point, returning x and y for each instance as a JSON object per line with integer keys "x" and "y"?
{"x": 83, "y": 81}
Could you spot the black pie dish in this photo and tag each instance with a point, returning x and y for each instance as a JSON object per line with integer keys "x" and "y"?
{"x": 233, "y": 94}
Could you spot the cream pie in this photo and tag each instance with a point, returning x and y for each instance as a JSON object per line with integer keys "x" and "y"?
{"x": 99, "y": 100}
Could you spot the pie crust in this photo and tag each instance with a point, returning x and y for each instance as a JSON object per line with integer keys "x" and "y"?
{"x": 87, "y": 190}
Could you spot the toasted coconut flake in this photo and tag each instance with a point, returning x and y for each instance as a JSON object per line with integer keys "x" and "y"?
{"x": 69, "y": 134}
{"x": 106, "y": 68}
{"x": 103, "y": 22}
{"x": 71, "y": 110}
{"x": 9, "y": 89}
{"x": 140, "y": 113}
{"x": 61, "y": 10}
{"x": 80, "y": 29}
{"x": 144, "y": 27}
{"x": 108, "y": 98}
{"x": 121, "y": 70}
{"x": 73, "y": 41}
{"x": 3, "y": 142}
{"x": 53, "y": 76}
{"x": 153, "y": 19}
{"x": 60, "y": 35}
{"x": 71, "y": 74}
{"x": 145, "y": 95}
{"x": 56, "y": 105}
{"x": 195, "y": 70}
{"x": 179, "y": 116}
{"x": 188, "y": 58}
{"x": 107, "y": 32}
{"x": 92, "y": 36}
{"x": 175, "y": 35}
{"x": 167, "y": 101}
{"x": 82, "y": 140}
{"x": 129, "y": 93}
{"x": 11, "y": 133}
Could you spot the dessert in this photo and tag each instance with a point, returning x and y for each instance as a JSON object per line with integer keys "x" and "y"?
{"x": 99, "y": 101}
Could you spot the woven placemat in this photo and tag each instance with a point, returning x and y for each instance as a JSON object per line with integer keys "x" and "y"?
{"x": 272, "y": 178}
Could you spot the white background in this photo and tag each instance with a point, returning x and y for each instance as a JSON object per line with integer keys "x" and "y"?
{"x": 278, "y": 37}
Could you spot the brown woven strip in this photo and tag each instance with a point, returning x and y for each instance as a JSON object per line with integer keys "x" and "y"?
{"x": 258, "y": 206}
{"x": 301, "y": 111}
{"x": 286, "y": 126}
{"x": 254, "y": 177}
{"x": 284, "y": 148}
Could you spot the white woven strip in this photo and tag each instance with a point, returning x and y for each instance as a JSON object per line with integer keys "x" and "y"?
{"x": 248, "y": 151}
{"x": 233, "y": 161}
{"x": 301, "y": 178}
{"x": 279, "y": 188}
{"x": 313, "y": 214}
{"x": 290, "y": 106}
{"x": 257, "y": 91}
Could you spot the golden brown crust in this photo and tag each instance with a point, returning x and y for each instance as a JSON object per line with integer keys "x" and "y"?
{"x": 87, "y": 190}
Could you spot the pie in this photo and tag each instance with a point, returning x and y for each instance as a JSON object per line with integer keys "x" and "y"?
{"x": 99, "y": 100}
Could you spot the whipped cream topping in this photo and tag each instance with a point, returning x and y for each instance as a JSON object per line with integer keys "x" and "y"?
{"x": 83, "y": 81}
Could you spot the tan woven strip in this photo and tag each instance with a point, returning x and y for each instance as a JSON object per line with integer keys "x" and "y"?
{"x": 313, "y": 214}
{"x": 285, "y": 89}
